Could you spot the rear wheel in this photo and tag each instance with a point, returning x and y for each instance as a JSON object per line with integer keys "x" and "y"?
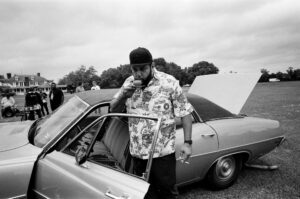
{"x": 224, "y": 172}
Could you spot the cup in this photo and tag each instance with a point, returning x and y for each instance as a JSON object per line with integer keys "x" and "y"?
{"x": 137, "y": 83}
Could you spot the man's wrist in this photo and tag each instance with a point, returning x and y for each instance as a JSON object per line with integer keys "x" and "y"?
{"x": 190, "y": 142}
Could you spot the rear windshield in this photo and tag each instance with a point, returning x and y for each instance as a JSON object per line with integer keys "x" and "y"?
{"x": 208, "y": 110}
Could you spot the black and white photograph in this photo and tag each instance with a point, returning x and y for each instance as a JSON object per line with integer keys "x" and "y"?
{"x": 149, "y": 99}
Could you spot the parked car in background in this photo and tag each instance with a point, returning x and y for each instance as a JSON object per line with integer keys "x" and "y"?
{"x": 81, "y": 152}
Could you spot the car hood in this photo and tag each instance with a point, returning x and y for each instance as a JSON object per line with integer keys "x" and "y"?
{"x": 14, "y": 135}
{"x": 230, "y": 91}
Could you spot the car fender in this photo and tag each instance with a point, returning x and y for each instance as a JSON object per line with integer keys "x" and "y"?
{"x": 16, "y": 168}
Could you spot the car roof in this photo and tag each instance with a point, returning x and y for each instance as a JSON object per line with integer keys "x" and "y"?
{"x": 93, "y": 97}
{"x": 208, "y": 110}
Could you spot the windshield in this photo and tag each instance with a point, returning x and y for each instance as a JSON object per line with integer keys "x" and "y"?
{"x": 48, "y": 128}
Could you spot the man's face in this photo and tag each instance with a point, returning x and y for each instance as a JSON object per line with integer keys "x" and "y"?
{"x": 53, "y": 85}
{"x": 141, "y": 72}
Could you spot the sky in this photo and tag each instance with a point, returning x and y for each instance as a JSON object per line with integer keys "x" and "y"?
{"x": 55, "y": 37}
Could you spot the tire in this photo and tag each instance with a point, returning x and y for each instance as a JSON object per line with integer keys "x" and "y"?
{"x": 224, "y": 172}
{"x": 8, "y": 112}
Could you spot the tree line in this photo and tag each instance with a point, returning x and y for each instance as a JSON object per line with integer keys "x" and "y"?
{"x": 114, "y": 77}
{"x": 290, "y": 75}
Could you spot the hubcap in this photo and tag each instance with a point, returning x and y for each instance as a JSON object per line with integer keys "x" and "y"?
{"x": 225, "y": 168}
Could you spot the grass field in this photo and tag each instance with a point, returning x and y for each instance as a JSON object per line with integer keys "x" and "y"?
{"x": 279, "y": 101}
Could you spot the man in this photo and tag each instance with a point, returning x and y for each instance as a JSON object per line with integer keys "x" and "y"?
{"x": 56, "y": 97}
{"x": 160, "y": 95}
{"x": 44, "y": 102}
{"x": 7, "y": 100}
{"x": 35, "y": 89}
{"x": 95, "y": 86}
{"x": 7, "y": 103}
{"x": 32, "y": 101}
{"x": 79, "y": 88}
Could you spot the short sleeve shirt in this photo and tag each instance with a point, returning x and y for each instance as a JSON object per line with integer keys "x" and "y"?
{"x": 7, "y": 102}
{"x": 95, "y": 87}
{"x": 163, "y": 98}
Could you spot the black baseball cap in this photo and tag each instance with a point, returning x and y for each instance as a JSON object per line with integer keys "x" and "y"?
{"x": 140, "y": 56}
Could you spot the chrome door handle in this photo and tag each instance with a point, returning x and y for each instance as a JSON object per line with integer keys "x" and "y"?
{"x": 110, "y": 195}
{"x": 208, "y": 135}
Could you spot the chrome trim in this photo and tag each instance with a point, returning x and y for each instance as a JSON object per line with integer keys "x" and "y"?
{"x": 19, "y": 196}
{"x": 236, "y": 147}
{"x": 198, "y": 116}
{"x": 146, "y": 175}
{"x": 208, "y": 135}
{"x": 40, "y": 194}
{"x": 282, "y": 141}
{"x": 230, "y": 154}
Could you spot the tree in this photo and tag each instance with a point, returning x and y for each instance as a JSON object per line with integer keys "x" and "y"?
{"x": 265, "y": 75}
{"x": 297, "y": 74}
{"x": 279, "y": 75}
{"x": 125, "y": 71}
{"x": 161, "y": 65}
{"x": 111, "y": 78}
{"x": 200, "y": 68}
{"x": 291, "y": 73}
{"x": 86, "y": 76}
{"x": 176, "y": 71}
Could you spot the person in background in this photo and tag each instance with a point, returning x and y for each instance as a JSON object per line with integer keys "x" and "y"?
{"x": 35, "y": 89}
{"x": 157, "y": 94}
{"x": 32, "y": 101}
{"x": 95, "y": 86}
{"x": 79, "y": 88}
{"x": 7, "y": 102}
{"x": 44, "y": 102}
{"x": 56, "y": 97}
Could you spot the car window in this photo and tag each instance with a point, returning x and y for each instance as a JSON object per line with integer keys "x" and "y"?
{"x": 49, "y": 127}
{"x": 82, "y": 140}
{"x": 111, "y": 147}
{"x": 109, "y": 142}
{"x": 84, "y": 122}
{"x": 94, "y": 114}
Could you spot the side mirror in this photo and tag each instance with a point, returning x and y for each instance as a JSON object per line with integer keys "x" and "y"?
{"x": 81, "y": 155}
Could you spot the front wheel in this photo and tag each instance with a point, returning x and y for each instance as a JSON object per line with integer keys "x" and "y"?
{"x": 224, "y": 172}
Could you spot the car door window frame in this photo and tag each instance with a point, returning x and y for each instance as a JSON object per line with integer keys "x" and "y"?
{"x": 52, "y": 145}
{"x": 102, "y": 119}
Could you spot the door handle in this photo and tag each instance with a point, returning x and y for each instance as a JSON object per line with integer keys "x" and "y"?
{"x": 208, "y": 135}
{"x": 110, "y": 195}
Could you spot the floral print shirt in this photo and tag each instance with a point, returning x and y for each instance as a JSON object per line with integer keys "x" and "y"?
{"x": 163, "y": 98}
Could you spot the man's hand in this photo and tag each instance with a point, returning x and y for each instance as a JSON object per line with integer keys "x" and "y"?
{"x": 185, "y": 152}
{"x": 128, "y": 90}
{"x": 117, "y": 104}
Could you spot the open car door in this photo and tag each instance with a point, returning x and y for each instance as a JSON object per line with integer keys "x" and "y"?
{"x": 96, "y": 163}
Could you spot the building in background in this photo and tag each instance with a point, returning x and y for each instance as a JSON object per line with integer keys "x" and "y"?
{"x": 19, "y": 84}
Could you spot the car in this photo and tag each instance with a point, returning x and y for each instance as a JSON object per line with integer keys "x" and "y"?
{"x": 82, "y": 150}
